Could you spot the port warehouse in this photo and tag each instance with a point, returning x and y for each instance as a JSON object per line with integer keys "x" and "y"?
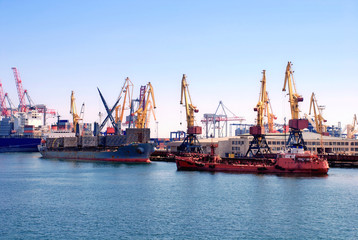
{"x": 237, "y": 146}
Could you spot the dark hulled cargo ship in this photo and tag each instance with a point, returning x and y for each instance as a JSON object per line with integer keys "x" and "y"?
{"x": 133, "y": 147}
{"x": 19, "y": 144}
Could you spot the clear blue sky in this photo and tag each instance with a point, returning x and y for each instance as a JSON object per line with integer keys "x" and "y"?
{"x": 222, "y": 46}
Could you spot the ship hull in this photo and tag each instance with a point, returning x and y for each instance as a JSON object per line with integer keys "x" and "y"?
{"x": 274, "y": 166}
{"x": 131, "y": 153}
{"x": 19, "y": 144}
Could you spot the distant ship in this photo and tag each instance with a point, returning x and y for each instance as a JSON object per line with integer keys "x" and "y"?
{"x": 21, "y": 128}
{"x": 21, "y": 132}
{"x": 133, "y": 147}
{"x": 19, "y": 144}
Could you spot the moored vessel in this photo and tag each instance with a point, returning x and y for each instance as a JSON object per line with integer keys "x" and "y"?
{"x": 19, "y": 144}
{"x": 22, "y": 127}
{"x": 22, "y": 131}
{"x": 126, "y": 153}
{"x": 130, "y": 148}
{"x": 294, "y": 161}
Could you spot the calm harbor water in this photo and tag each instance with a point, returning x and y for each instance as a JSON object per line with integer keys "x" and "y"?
{"x": 55, "y": 199}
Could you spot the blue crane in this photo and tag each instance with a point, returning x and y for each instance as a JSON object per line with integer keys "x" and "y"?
{"x": 109, "y": 114}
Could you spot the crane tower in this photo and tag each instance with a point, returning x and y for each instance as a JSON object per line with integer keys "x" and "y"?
{"x": 190, "y": 143}
{"x": 258, "y": 145}
{"x": 296, "y": 124}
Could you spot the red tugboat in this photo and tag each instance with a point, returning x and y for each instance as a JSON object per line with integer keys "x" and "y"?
{"x": 299, "y": 162}
{"x": 259, "y": 159}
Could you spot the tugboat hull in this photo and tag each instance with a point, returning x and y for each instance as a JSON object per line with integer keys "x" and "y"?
{"x": 314, "y": 166}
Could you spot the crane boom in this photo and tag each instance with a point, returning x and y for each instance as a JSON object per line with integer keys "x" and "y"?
{"x": 4, "y": 111}
{"x": 20, "y": 91}
{"x": 258, "y": 146}
{"x": 73, "y": 111}
{"x": 190, "y": 143}
{"x": 150, "y": 111}
{"x": 11, "y": 108}
{"x": 116, "y": 116}
{"x": 270, "y": 115}
{"x": 260, "y": 107}
{"x": 263, "y": 106}
{"x": 296, "y": 124}
{"x": 189, "y": 107}
{"x": 351, "y": 129}
{"x": 127, "y": 89}
{"x": 147, "y": 97}
{"x": 318, "y": 118}
{"x": 294, "y": 97}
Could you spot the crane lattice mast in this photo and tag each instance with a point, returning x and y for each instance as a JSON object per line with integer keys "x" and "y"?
{"x": 319, "y": 120}
{"x": 4, "y": 111}
{"x": 269, "y": 114}
{"x": 146, "y": 101}
{"x": 296, "y": 124}
{"x": 190, "y": 143}
{"x": 20, "y": 91}
{"x": 73, "y": 111}
{"x": 127, "y": 89}
{"x": 258, "y": 146}
{"x": 352, "y": 129}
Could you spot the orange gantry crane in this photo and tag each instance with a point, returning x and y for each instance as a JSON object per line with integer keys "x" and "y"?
{"x": 191, "y": 142}
{"x": 150, "y": 111}
{"x": 296, "y": 124}
{"x": 264, "y": 108}
{"x": 127, "y": 90}
{"x": 258, "y": 145}
{"x": 318, "y": 123}
{"x": 269, "y": 114}
{"x": 146, "y": 105}
{"x": 352, "y": 129}
{"x": 73, "y": 110}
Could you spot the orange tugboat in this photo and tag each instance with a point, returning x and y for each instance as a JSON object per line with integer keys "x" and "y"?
{"x": 259, "y": 159}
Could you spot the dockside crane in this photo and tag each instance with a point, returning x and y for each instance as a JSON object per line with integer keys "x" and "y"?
{"x": 127, "y": 90}
{"x": 146, "y": 101}
{"x": 191, "y": 142}
{"x": 218, "y": 121}
{"x": 319, "y": 121}
{"x": 22, "y": 93}
{"x": 258, "y": 146}
{"x": 150, "y": 112}
{"x": 296, "y": 124}
{"x": 4, "y": 111}
{"x": 269, "y": 114}
{"x": 352, "y": 129}
{"x": 75, "y": 116}
{"x": 11, "y": 110}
